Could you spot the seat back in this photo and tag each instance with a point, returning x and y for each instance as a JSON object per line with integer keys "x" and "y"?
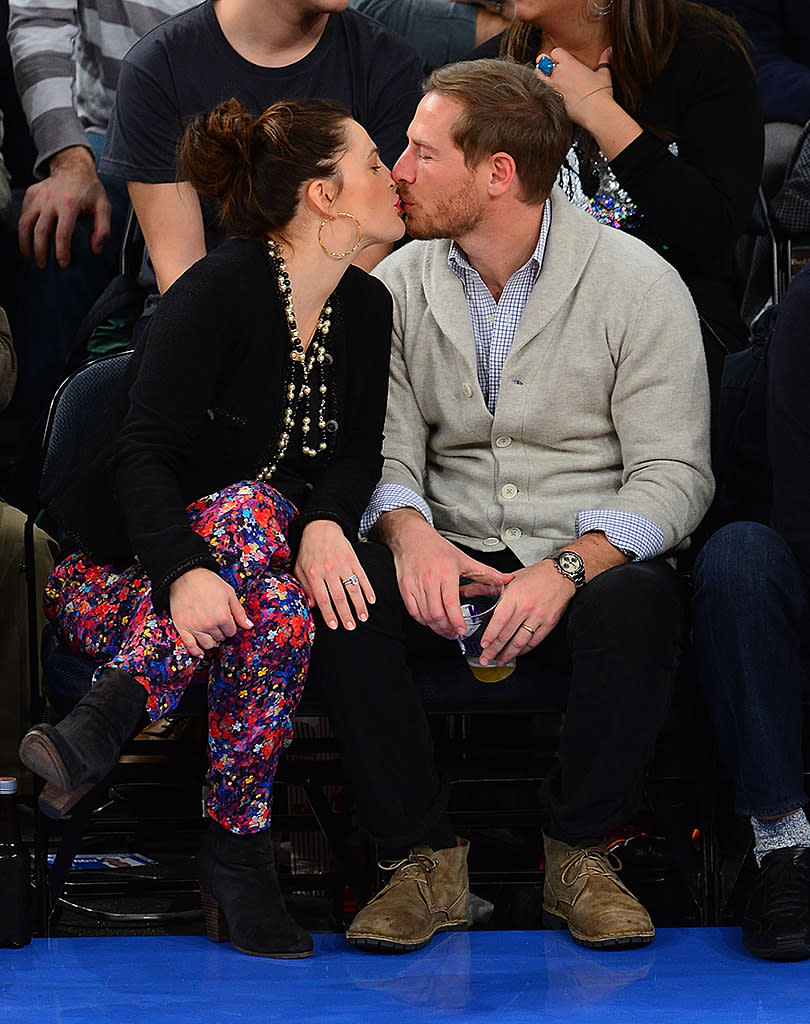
{"x": 74, "y": 420}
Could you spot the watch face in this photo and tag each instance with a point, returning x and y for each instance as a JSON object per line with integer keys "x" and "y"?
{"x": 570, "y": 561}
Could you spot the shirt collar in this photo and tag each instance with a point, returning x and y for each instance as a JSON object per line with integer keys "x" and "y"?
{"x": 459, "y": 264}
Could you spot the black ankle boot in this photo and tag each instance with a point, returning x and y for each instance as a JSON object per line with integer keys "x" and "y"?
{"x": 241, "y": 896}
{"x": 82, "y": 749}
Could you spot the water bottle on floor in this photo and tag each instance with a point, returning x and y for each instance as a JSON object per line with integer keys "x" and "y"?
{"x": 15, "y": 872}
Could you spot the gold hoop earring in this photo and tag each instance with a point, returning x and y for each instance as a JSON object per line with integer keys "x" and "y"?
{"x": 349, "y": 252}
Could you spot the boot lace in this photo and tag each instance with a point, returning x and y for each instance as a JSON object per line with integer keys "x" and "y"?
{"x": 415, "y": 865}
{"x": 588, "y": 861}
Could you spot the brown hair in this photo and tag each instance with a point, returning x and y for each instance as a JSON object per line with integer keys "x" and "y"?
{"x": 643, "y": 34}
{"x": 256, "y": 167}
{"x": 507, "y": 109}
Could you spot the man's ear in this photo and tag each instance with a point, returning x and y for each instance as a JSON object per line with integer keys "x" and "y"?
{"x": 502, "y": 173}
{"x": 321, "y": 194}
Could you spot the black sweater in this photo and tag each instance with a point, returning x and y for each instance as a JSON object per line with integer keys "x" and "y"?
{"x": 201, "y": 408}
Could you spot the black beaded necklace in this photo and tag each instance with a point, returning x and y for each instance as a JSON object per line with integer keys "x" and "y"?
{"x": 301, "y": 379}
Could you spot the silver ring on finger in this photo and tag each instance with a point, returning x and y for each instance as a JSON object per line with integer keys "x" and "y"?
{"x": 351, "y": 581}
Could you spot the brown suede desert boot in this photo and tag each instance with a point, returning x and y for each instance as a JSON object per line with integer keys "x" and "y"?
{"x": 428, "y": 893}
{"x": 582, "y": 887}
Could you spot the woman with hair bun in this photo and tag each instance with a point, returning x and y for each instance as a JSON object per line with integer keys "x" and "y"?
{"x": 223, "y": 504}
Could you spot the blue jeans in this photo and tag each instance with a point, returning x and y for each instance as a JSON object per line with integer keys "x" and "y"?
{"x": 442, "y": 32}
{"x": 751, "y": 624}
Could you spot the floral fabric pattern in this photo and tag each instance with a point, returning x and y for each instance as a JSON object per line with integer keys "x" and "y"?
{"x": 254, "y": 679}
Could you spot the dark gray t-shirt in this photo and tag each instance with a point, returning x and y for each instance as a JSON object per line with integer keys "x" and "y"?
{"x": 186, "y": 65}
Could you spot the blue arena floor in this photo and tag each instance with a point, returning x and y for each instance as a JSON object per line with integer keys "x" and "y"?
{"x": 698, "y": 975}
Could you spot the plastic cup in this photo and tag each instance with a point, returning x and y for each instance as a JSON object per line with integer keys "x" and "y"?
{"x": 479, "y": 595}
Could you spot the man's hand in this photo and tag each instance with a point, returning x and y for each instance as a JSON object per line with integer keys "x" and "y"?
{"x": 205, "y": 610}
{"x": 536, "y": 598}
{"x": 71, "y": 189}
{"x": 428, "y": 570}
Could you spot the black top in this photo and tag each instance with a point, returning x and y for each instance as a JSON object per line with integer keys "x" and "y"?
{"x": 186, "y": 65}
{"x": 202, "y": 405}
{"x": 788, "y": 419}
{"x": 780, "y": 32}
{"x": 696, "y": 204}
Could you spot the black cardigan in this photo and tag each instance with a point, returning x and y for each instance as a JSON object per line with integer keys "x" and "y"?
{"x": 696, "y": 204}
{"x": 201, "y": 408}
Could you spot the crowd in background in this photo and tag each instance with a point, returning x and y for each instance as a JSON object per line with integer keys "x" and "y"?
{"x": 695, "y": 145}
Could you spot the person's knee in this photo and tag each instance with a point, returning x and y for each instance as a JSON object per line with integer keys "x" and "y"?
{"x": 638, "y": 598}
{"x": 742, "y": 559}
{"x": 249, "y": 518}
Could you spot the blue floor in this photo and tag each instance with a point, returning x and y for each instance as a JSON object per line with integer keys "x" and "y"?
{"x": 687, "y": 976}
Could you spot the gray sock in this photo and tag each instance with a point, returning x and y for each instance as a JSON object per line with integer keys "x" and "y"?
{"x": 792, "y": 830}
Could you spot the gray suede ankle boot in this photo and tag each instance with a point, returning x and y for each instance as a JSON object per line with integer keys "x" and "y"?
{"x": 82, "y": 749}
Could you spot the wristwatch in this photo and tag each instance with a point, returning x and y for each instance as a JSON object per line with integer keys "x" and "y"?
{"x": 570, "y": 565}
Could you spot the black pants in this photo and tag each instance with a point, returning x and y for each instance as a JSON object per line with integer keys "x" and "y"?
{"x": 620, "y": 643}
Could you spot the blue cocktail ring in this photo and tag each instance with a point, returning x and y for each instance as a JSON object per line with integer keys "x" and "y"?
{"x": 546, "y": 64}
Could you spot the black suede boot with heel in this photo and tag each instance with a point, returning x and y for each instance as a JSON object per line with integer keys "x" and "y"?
{"x": 242, "y": 899}
{"x": 80, "y": 751}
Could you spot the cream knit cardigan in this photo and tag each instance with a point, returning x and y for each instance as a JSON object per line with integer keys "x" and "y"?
{"x": 603, "y": 402}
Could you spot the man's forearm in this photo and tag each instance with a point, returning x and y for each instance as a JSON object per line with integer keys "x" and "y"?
{"x": 395, "y": 529}
{"x": 597, "y": 553}
{"x": 73, "y": 158}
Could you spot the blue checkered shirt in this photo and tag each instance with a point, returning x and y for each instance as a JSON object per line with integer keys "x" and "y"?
{"x": 494, "y": 326}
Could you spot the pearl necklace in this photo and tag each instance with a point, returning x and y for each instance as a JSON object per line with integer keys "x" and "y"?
{"x": 301, "y": 365}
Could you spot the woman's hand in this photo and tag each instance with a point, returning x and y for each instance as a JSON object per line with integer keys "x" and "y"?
{"x": 205, "y": 610}
{"x": 588, "y": 97}
{"x": 331, "y": 575}
{"x": 576, "y": 82}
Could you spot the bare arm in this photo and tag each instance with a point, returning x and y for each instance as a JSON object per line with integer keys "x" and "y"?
{"x": 172, "y": 225}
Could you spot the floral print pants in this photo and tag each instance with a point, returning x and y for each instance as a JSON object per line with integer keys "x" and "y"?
{"x": 254, "y": 678}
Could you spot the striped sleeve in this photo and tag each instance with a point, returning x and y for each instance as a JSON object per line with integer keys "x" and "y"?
{"x": 67, "y": 58}
{"x": 42, "y": 39}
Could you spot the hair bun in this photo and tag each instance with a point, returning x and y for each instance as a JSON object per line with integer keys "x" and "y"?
{"x": 255, "y": 166}
{"x": 275, "y": 125}
{"x": 216, "y": 149}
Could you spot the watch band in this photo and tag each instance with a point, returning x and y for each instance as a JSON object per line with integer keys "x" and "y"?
{"x": 575, "y": 572}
